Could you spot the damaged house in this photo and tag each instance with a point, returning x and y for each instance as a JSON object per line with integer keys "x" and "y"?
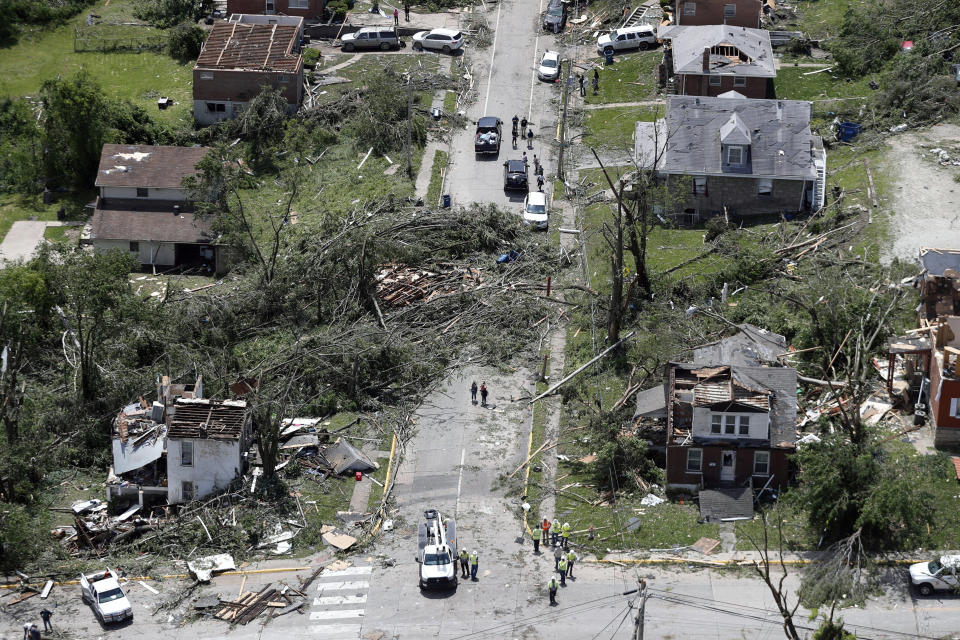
{"x": 179, "y": 448}
{"x": 736, "y": 13}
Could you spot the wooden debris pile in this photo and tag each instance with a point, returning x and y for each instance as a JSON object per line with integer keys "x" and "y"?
{"x": 248, "y": 606}
{"x": 399, "y": 285}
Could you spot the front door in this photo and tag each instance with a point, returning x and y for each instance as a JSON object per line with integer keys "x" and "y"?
{"x": 728, "y": 465}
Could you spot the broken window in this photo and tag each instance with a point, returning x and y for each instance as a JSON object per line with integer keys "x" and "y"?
{"x": 143, "y": 192}
{"x": 764, "y": 188}
{"x": 715, "y": 421}
{"x": 694, "y": 460}
{"x": 761, "y": 463}
{"x": 186, "y": 454}
{"x": 188, "y": 491}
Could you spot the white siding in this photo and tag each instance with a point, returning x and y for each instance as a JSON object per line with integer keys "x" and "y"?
{"x": 215, "y": 464}
{"x": 232, "y": 109}
{"x": 159, "y": 253}
{"x": 178, "y": 195}
{"x": 759, "y": 425}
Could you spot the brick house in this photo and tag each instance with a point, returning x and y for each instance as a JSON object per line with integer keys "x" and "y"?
{"x": 710, "y": 60}
{"x": 729, "y": 425}
{"x": 142, "y": 208}
{"x": 242, "y": 56}
{"x": 736, "y": 13}
{"x": 307, "y": 9}
{"x": 735, "y": 155}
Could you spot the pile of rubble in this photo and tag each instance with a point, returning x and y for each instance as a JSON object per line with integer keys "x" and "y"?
{"x": 399, "y": 285}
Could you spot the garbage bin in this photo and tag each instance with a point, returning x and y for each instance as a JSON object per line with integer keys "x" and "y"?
{"x": 608, "y": 57}
{"x": 849, "y": 131}
{"x": 446, "y": 201}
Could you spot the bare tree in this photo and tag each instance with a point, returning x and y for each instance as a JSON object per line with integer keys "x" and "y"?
{"x": 774, "y": 583}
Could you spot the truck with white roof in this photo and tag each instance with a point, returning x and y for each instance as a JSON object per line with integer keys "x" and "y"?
{"x": 437, "y": 551}
{"x": 102, "y": 591}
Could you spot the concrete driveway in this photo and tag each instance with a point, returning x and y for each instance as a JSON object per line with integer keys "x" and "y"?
{"x": 22, "y": 240}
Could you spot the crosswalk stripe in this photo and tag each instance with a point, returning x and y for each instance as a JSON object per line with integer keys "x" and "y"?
{"x": 349, "y": 571}
{"x": 332, "y": 615}
{"x": 336, "y": 630}
{"x": 343, "y": 586}
{"x": 332, "y": 600}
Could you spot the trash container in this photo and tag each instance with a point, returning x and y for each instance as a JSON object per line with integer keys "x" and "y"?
{"x": 849, "y": 131}
{"x": 608, "y": 57}
{"x": 446, "y": 201}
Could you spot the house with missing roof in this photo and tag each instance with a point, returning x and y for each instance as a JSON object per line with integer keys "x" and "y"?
{"x": 735, "y": 156}
{"x": 240, "y": 57}
{"x": 142, "y": 208}
{"x": 714, "y": 59}
{"x": 307, "y": 9}
{"x": 736, "y": 13}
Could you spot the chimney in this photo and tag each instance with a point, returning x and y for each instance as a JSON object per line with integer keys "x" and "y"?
{"x": 706, "y": 59}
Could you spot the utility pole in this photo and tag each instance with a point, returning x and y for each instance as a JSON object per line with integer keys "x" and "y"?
{"x": 409, "y": 127}
{"x": 638, "y": 623}
{"x": 563, "y": 121}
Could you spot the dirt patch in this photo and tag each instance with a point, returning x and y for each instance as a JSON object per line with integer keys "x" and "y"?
{"x": 925, "y": 197}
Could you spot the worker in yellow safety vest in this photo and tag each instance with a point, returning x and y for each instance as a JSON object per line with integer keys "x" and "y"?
{"x": 474, "y": 562}
{"x": 554, "y": 532}
{"x": 562, "y": 568}
{"x": 552, "y": 586}
{"x": 464, "y": 561}
{"x": 565, "y": 532}
{"x": 537, "y": 535}
{"x": 571, "y": 558}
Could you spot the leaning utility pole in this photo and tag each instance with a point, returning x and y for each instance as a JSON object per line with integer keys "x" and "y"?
{"x": 409, "y": 128}
{"x": 638, "y": 623}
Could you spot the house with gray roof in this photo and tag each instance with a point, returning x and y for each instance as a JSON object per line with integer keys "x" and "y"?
{"x": 736, "y": 156}
{"x": 713, "y": 59}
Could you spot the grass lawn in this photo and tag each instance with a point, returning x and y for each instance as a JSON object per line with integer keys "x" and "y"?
{"x": 436, "y": 177}
{"x": 43, "y": 54}
{"x": 15, "y": 206}
{"x": 450, "y": 102}
{"x": 375, "y": 63}
{"x": 846, "y": 168}
{"x": 614, "y": 127}
{"x": 376, "y": 492}
{"x": 55, "y": 234}
{"x": 792, "y": 84}
{"x": 821, "y": 20}
{"x": 631, "y": 78}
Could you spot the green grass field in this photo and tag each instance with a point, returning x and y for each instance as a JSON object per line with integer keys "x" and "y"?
{"x": 798, "y": 83}
{"x": 613, "y": 127}
{"x": 44, "y": 54}
{"x": 630, "y": 79}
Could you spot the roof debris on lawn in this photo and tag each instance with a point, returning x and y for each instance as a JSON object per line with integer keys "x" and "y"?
{"x": 399, "y": 285}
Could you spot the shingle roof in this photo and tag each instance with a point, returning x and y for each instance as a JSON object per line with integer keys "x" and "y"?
{"x": 750, "y": 346}
{"x": 936, "y": 261}
{"x": 781, "y": 144}
{"x": 651, "y": 403}
{"x": 232, "y": 45}
{"x": 140, "y": 165}
{"x": 726, "y": 503}
{"x": 143, "y": 225}
{"x": 688, "y": 43}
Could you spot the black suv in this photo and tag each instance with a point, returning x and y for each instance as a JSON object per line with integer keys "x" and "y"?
{"x": 515, "y": 175}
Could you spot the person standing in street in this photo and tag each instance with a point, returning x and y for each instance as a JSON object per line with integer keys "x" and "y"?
{"x": 552, "y": 586}
{"x": 483, "y": 394}
{"x": 26, "y": 631}
{"x": 396, "y": 17}
{"x": 583, "y": 88}
{"x": 557, "y": 554}
{"x": 464, "y": 562}
{"x": 539, "y": 182}
{"x": 537, "y": 533}
{"x": 562, "y": 568}
{"x": 406, "y": 11}
{"x": 523, "y": 125}
{"x": 545, "y": 527}
{"x": 474, "y": 563}
{"x": 529, "y": 138}
{"x": 35, "y": 632}
{"x": 473, "y": 392}
{"x": 45, "y": 616}
{"x": 571, "y": 558}
{"x": 554, "y": 532}
{"x": 565, "y": 534}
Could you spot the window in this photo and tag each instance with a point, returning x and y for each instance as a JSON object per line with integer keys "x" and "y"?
{"x": 729, "y": 10}
{"x": 134, "y": 246}
{"x": 216, "y": 106}
{"x": 187, "y": 491}
{"x": 186, "y": 454}
{"x": 694, "y": 460}
{"x": 739, "y": 82}
{"x": 700, "y": 185}
{"x": 206, "y": 76}
{"x": 689, "y": 8}
{"x": 954, "y": 409}
{"x": 284, "y": 79}
{"x": 715, "y": 81}
{"x": 715, "y": 421}
{"x": 764, "y": 188}
{"x": 299, "y": 4}
{"x": 761, "y": 463}
{"x": 735, "y": 155}
{"x": 744, "y": 425}
{"x": 729, "y": 424}
{"x": 143, "y": 192}
{"x": 269, "y": 6}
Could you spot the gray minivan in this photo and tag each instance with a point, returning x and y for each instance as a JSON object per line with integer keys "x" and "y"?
{"x": 555, "y": 18}
{"x": 371, "y": 38}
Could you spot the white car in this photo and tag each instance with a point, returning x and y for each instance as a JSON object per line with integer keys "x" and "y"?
{"x": 936, "y": 575}
{"x": 535, "y": 212}
{"x": 642, "y": 37}
{"x": 445, "y": 40}
{"x": 549, "y": 68}
{"x": 104, "y": 593}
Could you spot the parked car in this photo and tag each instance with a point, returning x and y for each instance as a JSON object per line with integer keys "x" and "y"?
{"x": 555, "y": 17}
{"x": 936, "y": 575}
{"x": 641, "y": 37}
{"x": 515, "y": 175}
{"x": 549, "y": 68}
{"x": 382, "y": 38}
{"x": 488, "y": 136}
{"x": 535, "y": 211}
{"x": 445, "y": 40}
{"x": 103, "y": 592}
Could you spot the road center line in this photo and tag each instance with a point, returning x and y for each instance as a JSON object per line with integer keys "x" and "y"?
{"x": 493, "y": 51}
{"x": 463, "y": 456}
{"x": 533, "y": 76}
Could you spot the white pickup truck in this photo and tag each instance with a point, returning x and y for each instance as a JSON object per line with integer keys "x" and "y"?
{"x": 103, "y": 592}
{"x": 437, "y": 551}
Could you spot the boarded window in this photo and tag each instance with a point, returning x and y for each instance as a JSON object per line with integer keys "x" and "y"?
{"x": 694, "y": 460}
{"x": 764, "y": 188}
{"x": 761, "y": 463}
{"x": 186, "y": 454}
{"x": 143, "y": 192}
{"x": 729, "y": 10}
{"x": 689, "y": 8}
{"x": 700, "y": 185}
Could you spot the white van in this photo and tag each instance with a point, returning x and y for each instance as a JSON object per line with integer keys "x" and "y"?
{"x": 641, "y": 37}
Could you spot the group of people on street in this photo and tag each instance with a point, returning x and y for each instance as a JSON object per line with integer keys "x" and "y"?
{"x": 30, "y": 629}
{"x": 469, "y": 562}
{"x": 596, "y": 83}
{"x": 520, "y": 128}
{"x": 558, "y": 537}
{"x": 483, "y": 393}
